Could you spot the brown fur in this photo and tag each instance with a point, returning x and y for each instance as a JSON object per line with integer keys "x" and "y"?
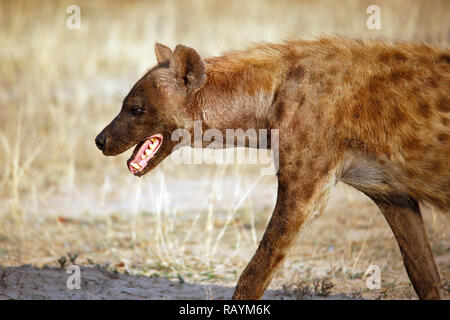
{"x": 373, "y": 114}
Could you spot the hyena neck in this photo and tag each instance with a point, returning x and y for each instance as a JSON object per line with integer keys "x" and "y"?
{"x": 238, "y": 92}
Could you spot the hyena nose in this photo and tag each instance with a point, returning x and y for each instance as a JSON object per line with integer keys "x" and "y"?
{"x": 100, "y": 141}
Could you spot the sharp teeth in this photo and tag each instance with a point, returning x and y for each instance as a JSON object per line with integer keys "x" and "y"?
{"x": 135, "y": 165}
{"x": 147, "y": 153}
{"x": 143, "y": 156}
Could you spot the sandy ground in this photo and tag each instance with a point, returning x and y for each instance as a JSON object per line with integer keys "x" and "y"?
{"x": 122, "y": 261}
{"x": 27, "y": 282}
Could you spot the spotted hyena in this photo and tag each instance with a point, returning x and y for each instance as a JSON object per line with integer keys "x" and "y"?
{"x": 372, "y": 114}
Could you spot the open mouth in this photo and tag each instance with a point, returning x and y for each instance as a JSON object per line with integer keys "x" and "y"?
{"x": 146, "y": 151}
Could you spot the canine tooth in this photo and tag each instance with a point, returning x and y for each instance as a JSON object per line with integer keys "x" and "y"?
{"x": 143, "y": 156}
{"x": 147, "y": 152}
{"x": 135, "y": 165}
{"x": 142, "y": 163}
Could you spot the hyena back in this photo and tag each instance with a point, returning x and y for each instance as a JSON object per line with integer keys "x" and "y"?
{"x": 372, "y": 114}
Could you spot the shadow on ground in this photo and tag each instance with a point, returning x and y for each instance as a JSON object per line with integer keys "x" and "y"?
{"x": 28, "y": 282}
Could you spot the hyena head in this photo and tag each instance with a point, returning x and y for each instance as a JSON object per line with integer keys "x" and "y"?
{"x": 154, "y": 108}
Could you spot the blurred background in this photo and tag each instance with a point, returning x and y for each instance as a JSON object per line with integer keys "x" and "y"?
{"x": 59, "y": 87}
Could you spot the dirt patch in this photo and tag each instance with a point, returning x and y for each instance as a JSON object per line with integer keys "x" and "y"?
{"x": 27, "y": 282}
{"x": 200, "y": 253}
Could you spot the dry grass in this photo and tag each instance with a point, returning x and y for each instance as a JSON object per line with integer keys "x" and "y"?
{"x": 58, "y": 194}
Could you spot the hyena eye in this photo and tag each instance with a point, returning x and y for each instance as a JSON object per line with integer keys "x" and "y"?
{"x": 137, "y": 111}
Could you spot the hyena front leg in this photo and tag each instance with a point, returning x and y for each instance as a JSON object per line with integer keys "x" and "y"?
{"x": 296, "y": 201}
{"x": 404, "y": 217}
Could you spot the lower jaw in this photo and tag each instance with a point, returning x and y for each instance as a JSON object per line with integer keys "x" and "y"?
{"x": 138, "y": 163}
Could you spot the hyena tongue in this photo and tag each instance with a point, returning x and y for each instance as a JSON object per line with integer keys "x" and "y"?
{"x": 146, "y": 151}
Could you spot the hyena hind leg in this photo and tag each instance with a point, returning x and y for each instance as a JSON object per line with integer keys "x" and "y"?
{"x": 403, "y": 216}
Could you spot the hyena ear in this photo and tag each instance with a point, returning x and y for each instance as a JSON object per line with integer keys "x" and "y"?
{"x": 189, "y": 67}
{"x": 163, "y": 53}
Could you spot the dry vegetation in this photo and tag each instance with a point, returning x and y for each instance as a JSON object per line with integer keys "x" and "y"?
{"x": 198, "y": 224}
